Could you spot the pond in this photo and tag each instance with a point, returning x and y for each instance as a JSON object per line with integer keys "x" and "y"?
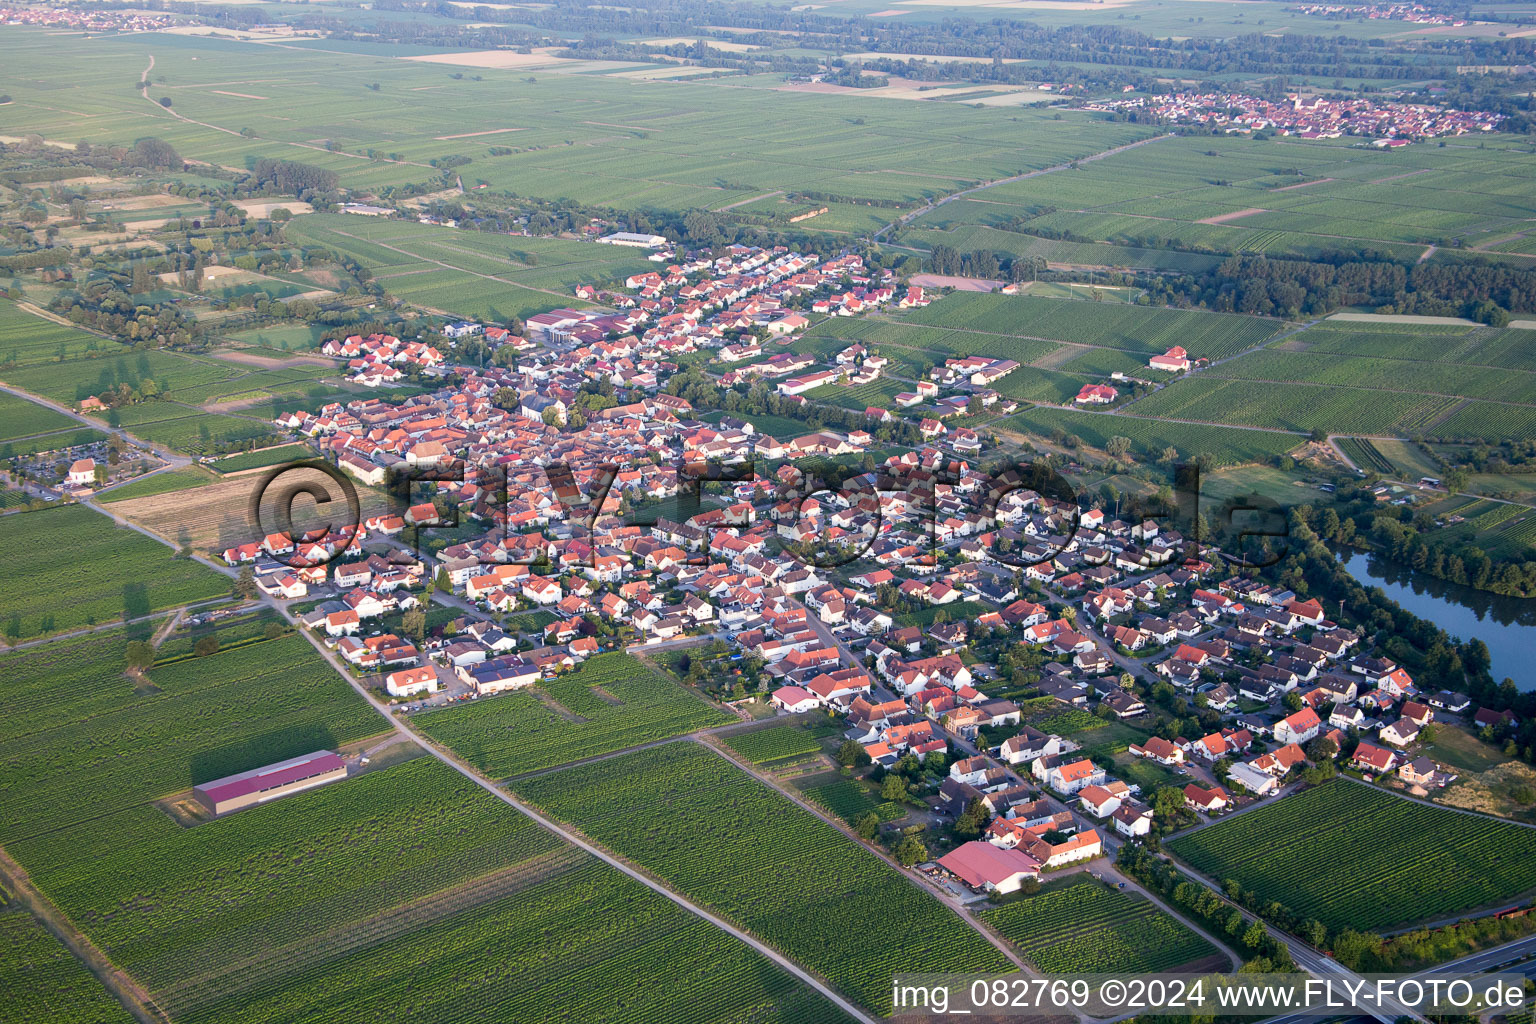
{"x": 1506, "y": 624}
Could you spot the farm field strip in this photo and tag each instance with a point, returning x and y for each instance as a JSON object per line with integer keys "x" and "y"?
{"x": 1354, "y": 857}
{"x": 90, "y": 741}
{"x": 682, "y": 812}
{"x": 1088, "y": 928}
{"x": 112, "y": 573}
{"x": 42, "y": 980}
{"x": 514, "y": 733}
{"x": 774, "y": 745}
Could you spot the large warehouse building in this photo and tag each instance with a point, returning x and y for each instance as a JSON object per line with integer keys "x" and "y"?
{"x": 257, "y": 786}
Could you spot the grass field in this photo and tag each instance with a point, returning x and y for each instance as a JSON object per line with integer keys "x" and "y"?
{"x": 688, "y": 815}
{"x": 43, "y": 981}
{"x": 1087, "y": 928}
{"x": 70, "y": 566}
{"x": 1355, "y": 857}
{"x": 610, "y": 702}
{"x": 82, "y": 740}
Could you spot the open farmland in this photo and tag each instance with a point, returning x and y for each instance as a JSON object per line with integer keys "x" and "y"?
{"x": 610, "y": 702}
{"x": 42, "y": 980}
{"x": 21, "y": 418}
{"x": 83, "y": 740}
{"x": 163, "y": 482}
{"x": 1107, "y": 324}
{"x": 620, "y": 949}
{"x": 1296, "y": 407}
{"x": 1088, "y": 928}
{"x": 682, "y": 812}
{"x": 1226, "y": 195}
{"x": 109, "y": 573}
{"x": 263, "y": 458}
{"x": 1354, "y": 857}
{"x": 1224, "y": 446}
{"x": 339, "y": 904}
{"x": 217, "y": 515}
{"x": 630, "y": 145}
{"x": 774, "y": 746}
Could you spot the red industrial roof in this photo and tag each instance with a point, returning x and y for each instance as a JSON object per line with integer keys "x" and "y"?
{"x": 281, "y": 774}
{"x": 977, "y": 863}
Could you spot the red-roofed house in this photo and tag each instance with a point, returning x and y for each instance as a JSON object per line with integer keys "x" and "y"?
{"x": 987, "y": 868}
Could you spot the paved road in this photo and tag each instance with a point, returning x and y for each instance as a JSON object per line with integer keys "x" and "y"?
{"x": 173, "y": 459}
{"x": 796, "y": 798}
{"x": 1306, "y": 957}
{"x": 1474, "y": 963}
{"x": 575, "y": 839}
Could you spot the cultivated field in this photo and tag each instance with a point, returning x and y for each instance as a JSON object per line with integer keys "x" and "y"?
{"x": 1088, "y": 928}
{"x": 1226, "y": 195}
{"x": 847, "y": 798}
{"x": 70, "y": 566}
{"x": 404, "y": 894}
{"x": 1355, "y": 857}
{"x": 1105, "y": 324}
{"x": 610, "y": 702}
{"x": 43, "y": 981}
{"x": 774, "y": 746}
{"x": 21, "y": 418}
{"x": 162, "y": 482}
{"x": 83, "y": 740}
{"x": 685, "y": 813}
{"x": 1224, "y": 446}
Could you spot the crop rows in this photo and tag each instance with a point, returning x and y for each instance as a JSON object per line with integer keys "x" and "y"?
{"x": 1087, "y": 928}
{"x": 1355, "y": 857}
{"x": 42, "y": 981}
{"x": 1487, "y": 421}
{"x": 1295, "y": 407}
{"x": 519, "y": 732}
{"x": 1382, "y": 373}
{"x": 169, "y": 903}
{"x": 267, "y": 457}
{"x": 1223, "y": 446}
{"x": 1365, "y": 454}
{"x": 588, "y": 945}
{"x": 848, "y": 799}
{"x": 110, "y": 572}
{"x": 19, "y": 418}
{"x": 775, "y": 744}
{"x": 81, "y": 740}
{"x": 1110, "y": 324}
{"x": 731, "y": 843}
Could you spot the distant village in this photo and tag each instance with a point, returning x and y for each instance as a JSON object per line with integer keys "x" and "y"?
{"x": 1112, "y": 617}
{"x": 87, "y": 20}
{"x": 1389, "y": 123}
{"x": 1416, "y": 14}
